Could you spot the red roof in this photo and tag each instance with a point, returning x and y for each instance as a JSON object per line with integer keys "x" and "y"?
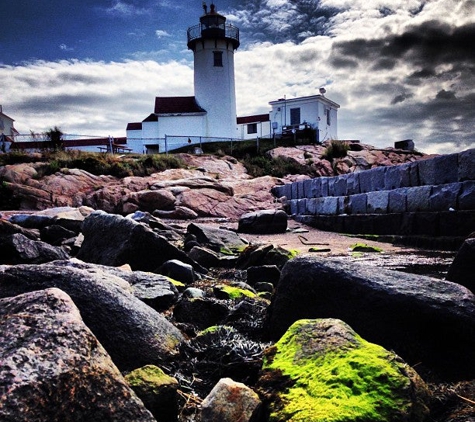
{"x": 253, "y": 119}
{"x": 177, "y": 105}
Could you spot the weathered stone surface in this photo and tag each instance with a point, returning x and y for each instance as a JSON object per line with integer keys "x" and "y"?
{"x": 54, "y": 369}
{"x": 418, "y": 198}
{"x": 31, "y": 221}
{"x": 264, "y": 255}
{"x": 55, "y": 234}
{"x": 230, "y": 401}
{"x": 444, "y": 197}
{"x": 357, "y": 204}
{"x": 263, "y": 222}
{"x": 439, "y": 170}
{"x": 205, "y": 257}
{"x": 377, "y": 202}
{"x": 462, "y": 269}
{"x": 466, "y": 199}
{"x": 132, "y": 332}
{"x": 157, "y": 390}
{"x": 466, "y": 169}
{"x": 333, "y": 374}
{"x": 114, "y": 240}
{"x": 18, "y": 249}
{"x": 155, "y": 290}
{"x": 201, "y": 312}
{"x": 8, "y": 228}
{"x": 422, "y": 319}
{"x": 150, "y": 200}
{"x": 179, "y": 212}
{"x": 397, "y": 200}
{"x": 215, "y": 239}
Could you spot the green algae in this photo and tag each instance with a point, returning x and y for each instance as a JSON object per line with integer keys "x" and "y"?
{"x": 236, "y": 292}
{"x": 363, "y": 247}
{"x": 357, "y": 382}
{"x": 151, "y": 376}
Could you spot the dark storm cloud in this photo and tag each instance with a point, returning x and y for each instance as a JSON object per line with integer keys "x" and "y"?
{"x": 428, "y": 45}
{"x": 400, "y": 98}
{"x": 59, "y": 103}
{"x": 445, "y": 95}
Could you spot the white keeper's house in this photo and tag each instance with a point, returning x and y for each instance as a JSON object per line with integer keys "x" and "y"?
{"x": 210, "y": 115}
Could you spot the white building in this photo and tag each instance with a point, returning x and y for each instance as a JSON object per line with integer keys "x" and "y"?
{"x": 7, "y": 131}
{"x": 315, "y": 112}
{"x": 256, "y": 126}
{"x": 211, "y": 113}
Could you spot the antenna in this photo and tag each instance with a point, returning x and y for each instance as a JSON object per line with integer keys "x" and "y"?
{"x": 322, "y": 90}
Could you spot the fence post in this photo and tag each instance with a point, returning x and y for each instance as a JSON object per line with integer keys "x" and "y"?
{"x": 166, "y": 145}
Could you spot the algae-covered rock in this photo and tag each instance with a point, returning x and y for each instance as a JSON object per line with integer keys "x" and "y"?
{"x": 157, "y": 390}
{"x": 322, "y": 371}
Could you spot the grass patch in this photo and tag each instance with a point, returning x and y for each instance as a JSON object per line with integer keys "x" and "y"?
{"x": 336, "y": 149}
{"x": 363, "y": 247}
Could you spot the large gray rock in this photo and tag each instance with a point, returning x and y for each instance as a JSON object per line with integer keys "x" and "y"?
{"x": 115, "y": 240}
{"x": 132, "y": 333}
{"x": 266, "y": 222}
{"x": 6, "y": 228}
{"x": 423, "y": 319}
{"x": 19, "y": 249}
{"x": 54, "y": 369}
{"x": 214, "y": 238}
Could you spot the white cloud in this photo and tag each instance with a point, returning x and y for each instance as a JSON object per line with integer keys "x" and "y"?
{"x": 121, "y": 8}
{"x": 160, "y": 33}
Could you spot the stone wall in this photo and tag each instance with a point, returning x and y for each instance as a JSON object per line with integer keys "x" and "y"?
{"x": 434, "y": 197}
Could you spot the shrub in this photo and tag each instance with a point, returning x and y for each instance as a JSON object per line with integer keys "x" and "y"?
{"x": 336, "y": 149}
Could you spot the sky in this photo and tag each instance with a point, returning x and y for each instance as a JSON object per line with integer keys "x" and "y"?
{"x": 400, "y": 69}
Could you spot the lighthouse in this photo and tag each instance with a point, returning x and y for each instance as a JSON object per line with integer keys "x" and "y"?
{"x": 213, "y": 42}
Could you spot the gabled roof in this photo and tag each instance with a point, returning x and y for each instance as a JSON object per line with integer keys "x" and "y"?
{"x": 253, "y": 119}
{"x": 177, "y": 105}
{"x": 134, "y": 126}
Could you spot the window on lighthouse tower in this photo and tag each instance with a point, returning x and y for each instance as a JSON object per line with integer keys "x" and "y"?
{"x": 218, "y": 58}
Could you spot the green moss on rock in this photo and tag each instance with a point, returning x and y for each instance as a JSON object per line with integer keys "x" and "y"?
{"x": 333, "y": 375}
{"x": 236, "y": 292}
{"x": 363, "y": 247}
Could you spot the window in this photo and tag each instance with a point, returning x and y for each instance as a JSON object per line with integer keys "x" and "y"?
{"x": 295, "y": 116}
{"x": 327, "y": 112}
{"x": 251, "y": 128}
{"x": 218, "y": 58}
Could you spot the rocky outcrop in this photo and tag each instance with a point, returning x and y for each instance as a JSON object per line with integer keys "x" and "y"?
{"x": 422, "y": 319}
{"x": 462, "y": 270}
{"x": 264, "y": 221}
{"x": 132, "y": 333}
{"x": 53, "y": 367}
{"x": 321, "y": 370}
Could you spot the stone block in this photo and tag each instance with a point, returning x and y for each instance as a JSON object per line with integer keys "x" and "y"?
{"x": 330, "y": 205}
{"x": 377, "y": 202}
{"x": 365, "y": 181}
{"x": 466, "y": 199}
{"x": 312, "y": 205}
{"x": 397, "y": 200}
{"x": 293, "y": 207}
{"x": 353, "y": 184}
{"x": 331, "y": 184}
{"x": 316, "y": 188}
{"x": 340, "y": 186}
{"x": 456, "y": 223}
{"x": 343, "y": 207}
{"x": 357, "y": 203}
{"x": 324, "y": 186}
{"x": 444, "y": 197}
{"x": 426, "y": 223}
{"x": 418, "y": 198}
{"x": 439, "y": 170}
{"x": 466, "y": 169}
{"x": 378, "y": 177}
{"x": 393, "y": 178}
{"x": 409, "y": 173}
{"x": 387, "y": 224}
{"x": 307, "y": 188}
{"x": 301, "y": 205}
{"x": 294, "y": 192}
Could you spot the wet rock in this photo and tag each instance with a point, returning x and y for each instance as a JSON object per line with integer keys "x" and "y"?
{"x": 263, "y": 274}
{"x": 322, "y": 370}
{"x": 263, "y": 222}
{"x": 230, "y": 401}
{"x": 260, "y": 255}
{"x": 18, "y": 249}
{"x": 201, "y": 312}
{"x": 132, "y": 332}
{"x": 53, "y": 367}
{"x": 422, "y": 319}
{"x": 462, "y": 269}
{"x": 177, "y": 270}
{"x": 157, "y": 390}
{"x": 204, "y": 256}
{"x": 156, "y": 291}
{"x": 179, "y": 213}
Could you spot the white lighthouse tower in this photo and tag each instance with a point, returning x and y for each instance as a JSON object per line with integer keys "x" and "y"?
{"x": 213, "y": 42}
